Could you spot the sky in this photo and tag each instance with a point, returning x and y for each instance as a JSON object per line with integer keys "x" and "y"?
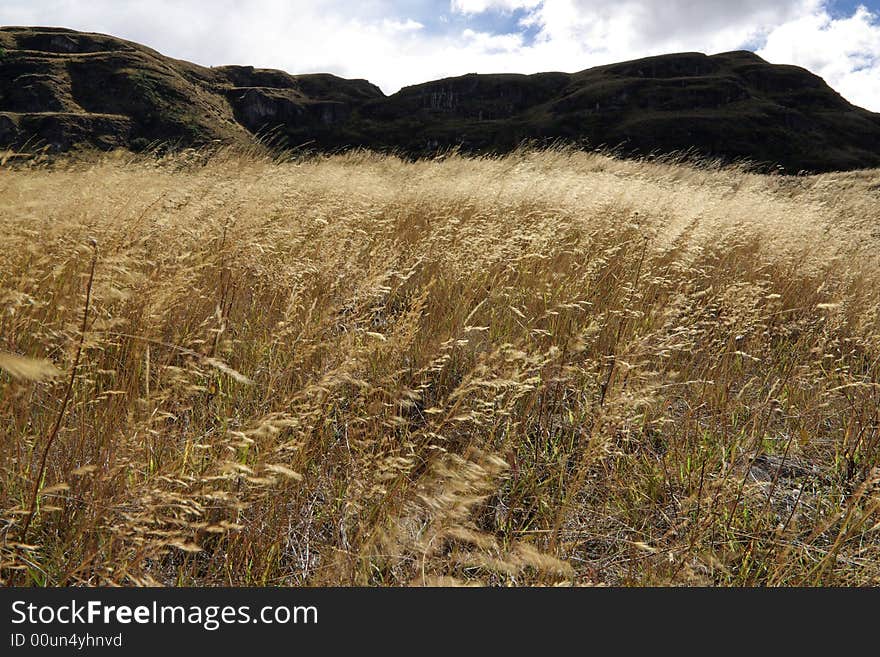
{"x": 394, "y": 43}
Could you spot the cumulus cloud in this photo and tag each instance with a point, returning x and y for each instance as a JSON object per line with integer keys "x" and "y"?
{"x": 844, "y": 51}
{"x": 480, "y": 6}
{"x": 639, "y": 22}
{"x": 409, "y": 25}
{"x": 398, "y": 42}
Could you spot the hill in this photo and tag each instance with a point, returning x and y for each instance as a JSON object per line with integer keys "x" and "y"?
{"x": 65, "y": 88}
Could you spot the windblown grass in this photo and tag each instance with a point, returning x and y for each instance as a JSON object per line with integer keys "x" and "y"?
{"x": 553, "y": 367}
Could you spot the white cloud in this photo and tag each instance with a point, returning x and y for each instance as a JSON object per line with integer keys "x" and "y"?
{"x": 844, "y": 51}
{"x": 671, "y": 21}
{"x": 484, "y": 42}
{"x": 398, "y": 42}
{"x": 409, "y": 25}
{"x": 480, "y": 6}
{"x": 626, "y": 29}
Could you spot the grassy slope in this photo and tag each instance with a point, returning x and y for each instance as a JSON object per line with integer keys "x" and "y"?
{"x": 545, "y": 368}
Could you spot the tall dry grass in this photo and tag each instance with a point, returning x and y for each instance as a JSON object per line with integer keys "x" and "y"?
{"x": 553, "y": 367}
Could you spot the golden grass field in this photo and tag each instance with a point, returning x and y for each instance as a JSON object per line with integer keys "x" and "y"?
{"x": 544, "y": 369}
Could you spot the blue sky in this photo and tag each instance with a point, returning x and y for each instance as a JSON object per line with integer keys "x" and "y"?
{"x": 847, "y": 8}
{"x": 398, "y": 42}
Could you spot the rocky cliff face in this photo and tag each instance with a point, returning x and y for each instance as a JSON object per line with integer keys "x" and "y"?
{"x": 64, "y": 89}
{"x": 266, "y": 100}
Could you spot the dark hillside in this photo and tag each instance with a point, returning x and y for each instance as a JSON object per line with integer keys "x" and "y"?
{"x": 64, "y": 89}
